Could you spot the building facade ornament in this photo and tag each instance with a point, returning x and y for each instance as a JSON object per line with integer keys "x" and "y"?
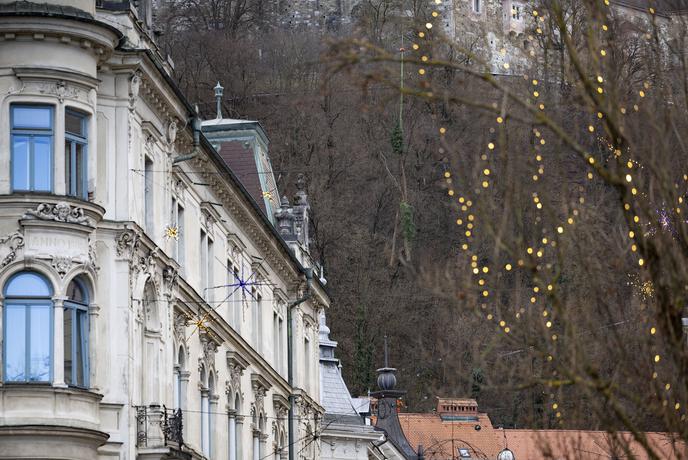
{"x": 62, "y": 265}
{"x": 127, "y": 243}
{"x": 209, "y": 348}
{"x": 134, "y": 88}
{"x": 9, "y": 245}
{"x": 59, "y": 212}
{"x": 170, "y": 276}
{"x": 171, "y": 131}
{"x": 180, "y": 323}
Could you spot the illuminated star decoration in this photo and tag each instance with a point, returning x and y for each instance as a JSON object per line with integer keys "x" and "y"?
{"x": 171, "y": 232}
{"x": 245, "y": 285}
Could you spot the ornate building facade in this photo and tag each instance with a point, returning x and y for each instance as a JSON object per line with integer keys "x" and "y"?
{"x": 150, "y": 308}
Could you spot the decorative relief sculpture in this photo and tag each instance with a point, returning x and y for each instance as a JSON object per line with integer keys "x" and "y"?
{"x": 134, "y": 88}
{"x": 8, "y": 247}
{"x": 171, "y": 131}
{"x": 127, "y": 243}
{"x": 209, "y": 347}
{"x": 62, "y": 265}
{"x": 180, "y": 323}
{"x": 59, "y": 212}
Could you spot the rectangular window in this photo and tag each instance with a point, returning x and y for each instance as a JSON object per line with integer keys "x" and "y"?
{"x": 204, "y": 263}
{"x": 275, "y": 342}
{"x": 28, "y": 342}
{"x": 516, "y": 11}
{"x": 75, "y": 323}
{"x": 174, "y": 223}
{"x": 237, "y": 299}
{"x": 307, "y": 363}
{"x": 148, "y": 210}
{"x": 280, "y": 348}
{"x": 32, "y": 147}
{"x": 181, "y": 248}
{"x": 76, "y": 158}
{"x": 257, "y": 320}
{"x": 209, "y": 280}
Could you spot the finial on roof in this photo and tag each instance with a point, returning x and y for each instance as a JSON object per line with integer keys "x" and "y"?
{"x": 219, "y": 91}
{"x": 386, "y": 379}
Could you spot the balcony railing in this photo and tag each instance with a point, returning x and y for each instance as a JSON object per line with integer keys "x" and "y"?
{"x": 158, "y": 426}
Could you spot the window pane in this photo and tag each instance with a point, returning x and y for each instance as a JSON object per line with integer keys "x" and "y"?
{"x": 39, "y": 351}
{"x": 28, "y": 284}
{"x": 15, "y": 343}
{"x": 76, "y": 293}
{"x": 42, "y": 163}
{"x": 32, "y": 117}
{"x": 68, "y": 358}
{"x": 81, "y": 172}
{"x": 74, "y": 123}
{"x": 20, "y": 162}
{"x": 81, "y": 348}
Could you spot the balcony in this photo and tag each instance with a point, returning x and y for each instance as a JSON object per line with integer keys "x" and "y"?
{"x": 41, "y": 421}
{"x": 159, "y": 433}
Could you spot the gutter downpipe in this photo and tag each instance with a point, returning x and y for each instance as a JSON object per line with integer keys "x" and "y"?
{"x": 290, "y": 358}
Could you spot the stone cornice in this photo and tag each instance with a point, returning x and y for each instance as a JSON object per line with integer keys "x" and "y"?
{"x": 258, "y": 381}
{"x": 234, "y": 358}
{"x": 95, "y": 37}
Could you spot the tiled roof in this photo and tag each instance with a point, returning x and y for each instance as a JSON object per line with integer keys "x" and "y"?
{"x": 242, "y": 161}
{"x": 665, "y": 6}
{"x": 586, "y": 445}
{"x": 334, "y": 395}
{"x": 440, "y": 437}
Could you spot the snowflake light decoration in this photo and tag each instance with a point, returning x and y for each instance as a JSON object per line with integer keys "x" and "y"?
{"x": 247, "y": 287}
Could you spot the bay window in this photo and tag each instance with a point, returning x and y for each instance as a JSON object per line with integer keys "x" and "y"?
{"x": 28, "y": 316}
{"x": 76, "y": 146}
{"x": 32, "y": 147}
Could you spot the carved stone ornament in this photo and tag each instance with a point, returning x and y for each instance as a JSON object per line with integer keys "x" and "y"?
{"x": 259, "y": 400}
{"x": 235, "y": 373}
{"x": 134, "y": 88}
{"x": 209, "y": 347}
{"x": 59, "y": 212}
{"x": 170, "y": 276}
{"x": 171, "y": 131}
{"x": 92, "y": 262}
{"x": 146, "y": 264}
{"x": 8, "y": 247}
{"x": 127, "y": 243}
{"x": 62, "y": 265}
{"x": 180, "y": 323}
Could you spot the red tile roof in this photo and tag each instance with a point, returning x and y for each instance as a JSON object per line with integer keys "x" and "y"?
{"x": 588, "y": 445}
{"x": 439, "y": 437}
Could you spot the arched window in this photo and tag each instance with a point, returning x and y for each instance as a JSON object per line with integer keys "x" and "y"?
{"x": 178, "y": 369}
{"x": 76, "y": 334}
{"x": 209, "y": 414}
{"x": 27, "y": 320}
{"x": 205, "y": 409}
